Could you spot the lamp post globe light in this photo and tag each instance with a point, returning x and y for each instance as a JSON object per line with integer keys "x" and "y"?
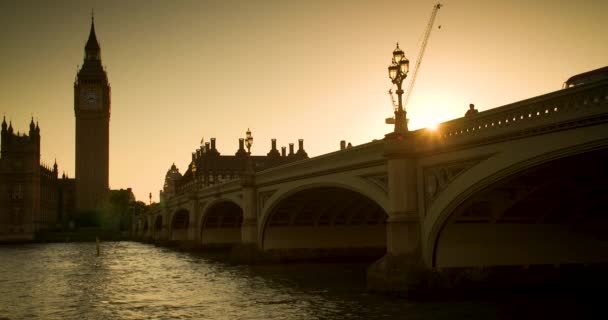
{"x": 397, "y": 72}
{"x": 248, "y": 141}
{"x": 195, "y": 177}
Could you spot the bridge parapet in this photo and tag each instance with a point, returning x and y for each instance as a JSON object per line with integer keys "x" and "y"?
{"x": 221, "y": 188}
{"x": 188, "y": 187}
{"x": 369, "y": 154}
{"x": 553, "y": 111}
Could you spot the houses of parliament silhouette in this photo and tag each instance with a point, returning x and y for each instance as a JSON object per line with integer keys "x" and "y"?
{"x": 32, "y": 196}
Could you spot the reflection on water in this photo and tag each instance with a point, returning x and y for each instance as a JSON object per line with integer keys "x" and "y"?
{"x": 139, "y": 281}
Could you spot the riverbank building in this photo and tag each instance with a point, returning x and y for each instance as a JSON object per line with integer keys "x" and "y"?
{"x": 33, "y": 197}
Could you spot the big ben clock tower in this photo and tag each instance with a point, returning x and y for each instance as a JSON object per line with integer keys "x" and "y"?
{"x": 92, "y": 110}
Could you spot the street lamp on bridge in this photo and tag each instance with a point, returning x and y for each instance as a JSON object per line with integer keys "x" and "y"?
{"x": 397, "y": 71}
{"x": 248, "y": 144}
{"x": 194, "y": 176}
{"x": 248, "y": 141}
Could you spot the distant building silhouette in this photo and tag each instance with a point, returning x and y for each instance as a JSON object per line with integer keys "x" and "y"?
{"x": 32, "y": 196}
{"x": 38, "y": 199}
{"x": 92, "y": 111}
{"x": 209, "y": 168}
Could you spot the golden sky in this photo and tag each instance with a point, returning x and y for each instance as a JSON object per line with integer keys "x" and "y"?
{"x": 182, "y": 70}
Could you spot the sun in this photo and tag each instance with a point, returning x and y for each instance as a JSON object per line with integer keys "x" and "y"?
{"x": 427, "y": 123}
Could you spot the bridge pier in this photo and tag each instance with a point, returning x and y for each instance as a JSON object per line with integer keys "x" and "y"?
{"x": 402, "y": 270}
{"x": 162, "y": 237}
{"x": 191, "y": 232}
{"x": 248, "y": 250}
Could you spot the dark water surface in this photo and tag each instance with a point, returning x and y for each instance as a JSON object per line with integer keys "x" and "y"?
{"x": 140, "y": 281}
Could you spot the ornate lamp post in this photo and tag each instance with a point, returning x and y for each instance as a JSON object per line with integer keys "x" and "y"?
{"x": 194, "y": 174}
{"x": 248, "y": 141}
{"x": 248, "y": 144}
{"x": 397, "y": 71}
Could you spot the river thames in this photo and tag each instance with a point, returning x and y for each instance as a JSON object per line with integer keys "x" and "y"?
{"x": 130, "y": 280}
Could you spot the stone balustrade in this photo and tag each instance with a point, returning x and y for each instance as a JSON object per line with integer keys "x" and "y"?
{"x": 552, "y": 108}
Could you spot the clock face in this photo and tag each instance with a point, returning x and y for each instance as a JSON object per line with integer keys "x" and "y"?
{"x": 90, "y": 99}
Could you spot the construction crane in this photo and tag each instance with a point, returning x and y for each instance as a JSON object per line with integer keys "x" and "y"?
{"x": 425, "y": 39}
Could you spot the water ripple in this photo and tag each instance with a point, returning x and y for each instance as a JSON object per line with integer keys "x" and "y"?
{"x": 138, "y": 281}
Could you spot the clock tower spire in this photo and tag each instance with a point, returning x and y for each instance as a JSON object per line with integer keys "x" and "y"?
{"x": 92, "y": 111}
{"x": 92, "y": 50}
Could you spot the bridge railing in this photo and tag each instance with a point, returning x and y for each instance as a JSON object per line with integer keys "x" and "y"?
{"x": 362, "y": 156}
{"x": 186, "y": 187}
{"x": 552, "y": 108}
{"x": 198, "y": 189}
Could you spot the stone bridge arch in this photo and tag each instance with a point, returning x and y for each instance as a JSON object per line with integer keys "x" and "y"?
{"x": 220, "y": 223}
{"x": 325, "y": 218}
{"x": 452, "y": 222}
{"x": 372, "y": 188}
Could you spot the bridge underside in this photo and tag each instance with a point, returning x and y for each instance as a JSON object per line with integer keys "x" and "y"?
{"x": 553, "y": 214}
{"x": 222, "y": 225}
{"x": 328, "y": 221}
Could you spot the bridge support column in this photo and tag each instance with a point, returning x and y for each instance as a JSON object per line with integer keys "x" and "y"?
{"x": 165, "y": 232}
{"x": 401, "y": 270}
{"x": 191, "y": 233}
{"x": 148, "y": 233}
{"x": 248, "y": 250}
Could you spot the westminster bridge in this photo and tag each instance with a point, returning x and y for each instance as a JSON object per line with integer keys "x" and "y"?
{"x": 518, "y": 186}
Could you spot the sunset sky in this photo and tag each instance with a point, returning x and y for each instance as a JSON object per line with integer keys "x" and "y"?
{"x": 317, "y": 70}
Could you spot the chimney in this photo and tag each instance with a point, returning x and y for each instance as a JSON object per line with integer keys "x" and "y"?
{"x": 241, "y": 151}
{"x": 342, "y": 144}
{"x": 301, "y": 153}
{"x": 291, "y": 149}
{"x": 207, "y": 148}
{"x": 212, "y": 143}
{"x": 274, "y": 152}
{"x": 283, "y": 151}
